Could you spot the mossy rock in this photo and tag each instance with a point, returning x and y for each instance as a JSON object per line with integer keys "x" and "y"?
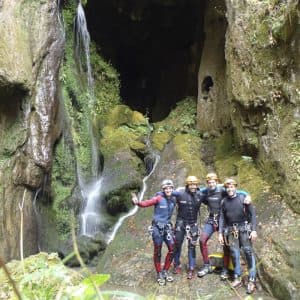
{"x": 160, "y": 139}
{"x": 121, "y": 138}
{"x": 120, "y": 200}
{"x": 187, "y": 148}
{"x": 122, "y": 170}
{"x": 123, "y": 115}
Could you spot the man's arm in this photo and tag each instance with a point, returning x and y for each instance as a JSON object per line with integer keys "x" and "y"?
{"x": 145, "y": 203}
{"x": 251, "y": 212}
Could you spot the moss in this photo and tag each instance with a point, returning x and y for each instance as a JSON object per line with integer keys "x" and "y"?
{"x": 63, "y": 182}
{"x": 114, "y": 140}
{"x": 125, "y": 130}
{"x": 187, "y": 148}
{"x": 181, "y": 120}
{"x": 230, "y": 163}
{"x": 160, "y": 139}
{"x": 39, "y": 276}
{"x": 123, "y": 115}
{"x": 224, "y": 145}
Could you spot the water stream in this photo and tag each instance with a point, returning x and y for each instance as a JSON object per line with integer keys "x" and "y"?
{"x": 135, "y": 208}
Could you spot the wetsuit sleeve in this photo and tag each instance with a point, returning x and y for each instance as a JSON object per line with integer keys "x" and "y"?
{"x": 176, "y": 193}
{"x": 252, "y": 215}
{"x": 150, "y": 202}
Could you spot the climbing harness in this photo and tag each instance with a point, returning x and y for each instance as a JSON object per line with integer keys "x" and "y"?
{"x": 164, "y": 229}
{"x": 192, "y": 233}
{"x": 235, "y": 231}
{"x": 215, "y": 220}
{"x": 150, "y": 230}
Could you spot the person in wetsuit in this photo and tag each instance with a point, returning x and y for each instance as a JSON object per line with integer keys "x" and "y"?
{"x": 188, "y": 207}
{"x": 212, "y": 196}
{"x": 161, "y": 230}
{"x": 237, "y": 229}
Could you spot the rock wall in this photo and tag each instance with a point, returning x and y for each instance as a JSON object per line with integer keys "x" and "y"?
{"x": 262, "y": 55}
{"x": 31, "y": 44}
{"x": 212, "y": 109}
{"x": 257, "y": 90}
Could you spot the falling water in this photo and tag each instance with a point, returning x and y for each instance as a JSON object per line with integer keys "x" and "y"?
{"x": 135, "y": 208}
{"x": 37, "y": 216}
{"x": 90, "y": 219}
{"x": 91, "y": 191}
{"x": 83, "y": 45}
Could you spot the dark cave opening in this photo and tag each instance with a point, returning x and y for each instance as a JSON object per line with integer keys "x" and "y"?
{"x": 155, "y": 46}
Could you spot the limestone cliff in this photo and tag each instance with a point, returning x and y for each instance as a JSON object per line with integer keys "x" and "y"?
{"x": 31, "y": 44}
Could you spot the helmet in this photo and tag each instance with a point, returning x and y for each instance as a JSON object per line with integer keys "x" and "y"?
{"x": 167, "y": 182}
{"x": 230, "y": 181}
{"x": 191, "y": 180}
{"x": 212, "y": 176}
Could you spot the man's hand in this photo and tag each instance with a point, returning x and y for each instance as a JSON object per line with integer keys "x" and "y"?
{"x": 221, "y": 239}
{"x": 134, "y": 199}
{"x": 247, "y": 200}
{"x": 253, "y": 236}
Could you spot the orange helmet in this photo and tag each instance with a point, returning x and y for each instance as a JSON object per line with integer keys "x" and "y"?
{"x": 212, "y": 176}
{"x": 191, "y": 180}
{"x": 229, "y": 181}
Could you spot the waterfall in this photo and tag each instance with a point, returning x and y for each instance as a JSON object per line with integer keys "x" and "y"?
{"x": 135, "y": 208}
{"x": 83, "y": 45}
{"x": 91, "y": 191}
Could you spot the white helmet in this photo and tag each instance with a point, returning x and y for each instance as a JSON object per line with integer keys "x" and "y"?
{"x": 167, "y": 182}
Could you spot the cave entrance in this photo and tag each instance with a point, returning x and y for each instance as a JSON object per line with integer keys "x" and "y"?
{"x": 156, "y": 47}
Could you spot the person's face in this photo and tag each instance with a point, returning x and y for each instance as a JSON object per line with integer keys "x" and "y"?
{"x": 168, "y": 191}
{"x": 230, "y": 189}
{"x": 211, "y": 184}
{"x": 192, "y": 187}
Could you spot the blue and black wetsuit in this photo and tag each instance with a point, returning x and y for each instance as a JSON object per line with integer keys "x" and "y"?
{"x": 188, "y": 207}
{"x": 162, "y": 227}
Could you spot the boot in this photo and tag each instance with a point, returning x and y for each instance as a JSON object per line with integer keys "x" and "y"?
{"x": 224, "y": 274}
{"x": 161, "y": 279}
{"x": 236, "y": 282}
{"x": 168, "y": 277}
{"x": 190, "y": 274}
{"x": 177, "y": 269}
{"x": 251, "y": 286}
{"x": 205, "y": 269}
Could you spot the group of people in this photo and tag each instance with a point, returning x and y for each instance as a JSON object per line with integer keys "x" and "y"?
{"x": 231, "y": 214}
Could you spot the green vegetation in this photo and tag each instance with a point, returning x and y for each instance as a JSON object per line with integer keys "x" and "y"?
{"x": 295, "y": 149}
{"x": 85, "y": 110}
{"x": 44, "y": 276}
{"x": 181, "y": 120}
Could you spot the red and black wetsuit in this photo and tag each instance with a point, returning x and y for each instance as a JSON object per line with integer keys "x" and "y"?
{"x": 162, "y": 227}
